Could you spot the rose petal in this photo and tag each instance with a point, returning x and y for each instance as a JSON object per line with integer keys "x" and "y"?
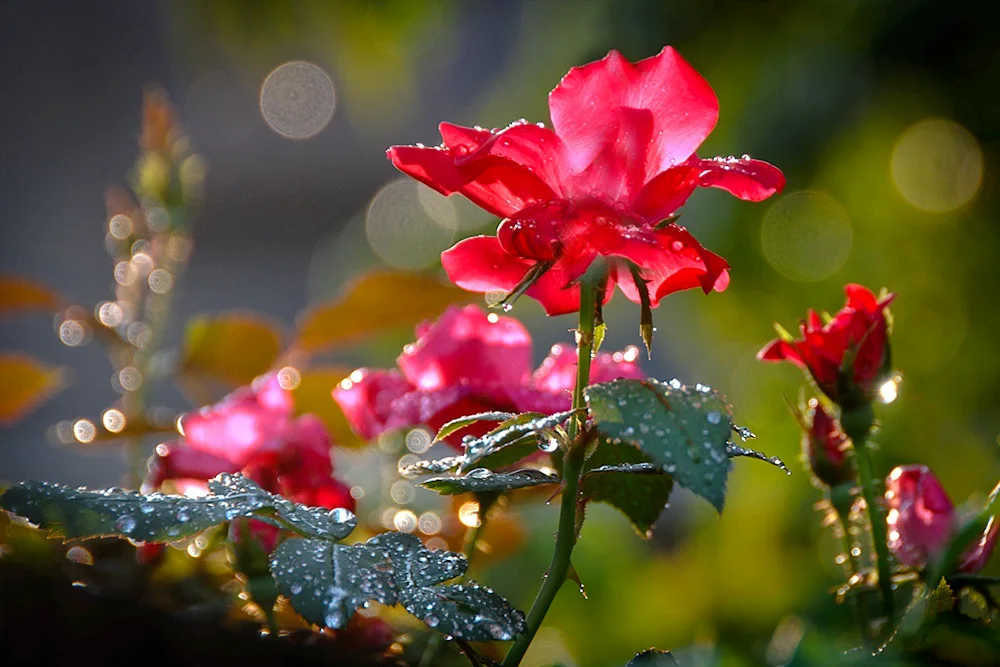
{"x": 752, "y": 180}
{"x": 500, "y": 185}
{"x": 619, "y": 169}
{"x": 479, "y": 264}
{"x": 557, "y": 372}
{"x": 683, "y": 107}
{"x": 533, "y": 147}
{"x": 665, "y": 193}
{"x": 436, "y": 408}
{"x": 465, "y": 346}
{"x": 976, "y": 557}
{"x": 366, "y": 400}
{"x": 557, "y": 290}
{"x": 924, "y": 517}
{"x": 177, "y": 461}
{"x": 670, "y": 260}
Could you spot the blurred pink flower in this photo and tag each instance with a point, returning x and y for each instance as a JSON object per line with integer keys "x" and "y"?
{"x": 253, "y": 431}
{"x": 922, "y": 521}
{"x": 468, "y": 362}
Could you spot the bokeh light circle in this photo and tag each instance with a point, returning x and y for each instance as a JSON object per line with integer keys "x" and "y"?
{"x": 408, "y": 224}
{"x": 806, "y": 235}
{"x": 937, "y": 165}
{"x": 297, "y": 100}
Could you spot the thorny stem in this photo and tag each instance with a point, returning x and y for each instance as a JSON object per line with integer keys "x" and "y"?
{"x": 854, "y": 568}
{"x": 572, "y": 468}
{"x": 469, "y": 652}
{"x": 857, "y": 424}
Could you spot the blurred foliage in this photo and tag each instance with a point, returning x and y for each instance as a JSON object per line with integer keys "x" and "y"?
{"x": 825, "y": 90}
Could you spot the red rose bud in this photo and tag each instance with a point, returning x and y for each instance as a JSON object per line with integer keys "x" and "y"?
{"x": 922, "y": 521}
{"x": 617, "y": 163}
{"x": 825, "y": 446}
{"x": 848, "y": 356}
{"x": 468, "y": 362}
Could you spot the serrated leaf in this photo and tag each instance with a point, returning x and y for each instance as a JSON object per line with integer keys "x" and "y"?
{"x": 313, "y": 396}
{"x": 328, "y": 582}
{"x": 600, "y": 331}
{"x": 511, "y": 452}
{"x": 331, "y": 524}
{"x": 434, "y": 467}
{"x": 25, "y": 383}
{"x": 528, "y": 427}
{"x": 625, "y": 478}
{"x": 467, "y": 611}
{"x": 373, "y": 303}
{"x": 468, "y": 420}
{"x": 684, "y": 429}
{"x": 229, "y": 348}
{"x": 653, "y": 658}
{"x": 941, "y": 599}
{"x": 733, "y": 451}
{"x": 20, "y": 294}
{"x": 80, "y": 513}
{"x": 482, "y": 480}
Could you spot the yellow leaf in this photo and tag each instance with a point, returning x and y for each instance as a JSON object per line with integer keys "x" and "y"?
{"x": 25, "y": 383}
{"x": 229, "y": 348}
{"x": 374, "y": 303}
{"x": 313, "y": 395}
{"x": 19, "y": 294}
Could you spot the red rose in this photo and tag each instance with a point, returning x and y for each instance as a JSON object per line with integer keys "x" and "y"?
{"x": 253, "y": 431}
{"x": 825, "y": 446}
{"x": 848, "y": 357}
{"x": 467, "y": 362}
{"x": 618, "y": 162}
{"x": 922, "y": 521}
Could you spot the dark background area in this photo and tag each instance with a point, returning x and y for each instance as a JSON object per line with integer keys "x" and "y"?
{"x": 826, "y": 90}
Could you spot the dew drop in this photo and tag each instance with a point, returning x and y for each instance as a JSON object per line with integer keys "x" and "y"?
{"x": 125, "y": 524}
{"x": 548, "y": 446}
{"x": 341, "y": 515}
{"x": 183, "y": 516}
{"x": 713, "y": 417}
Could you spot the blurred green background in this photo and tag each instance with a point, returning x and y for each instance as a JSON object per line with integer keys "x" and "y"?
{"x": 882, "y": 115}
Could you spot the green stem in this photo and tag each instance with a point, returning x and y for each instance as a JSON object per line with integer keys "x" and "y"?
{"x": 858, "y": 424}
{"x": 854, "y": 567}
{"x": 572, "y": 469}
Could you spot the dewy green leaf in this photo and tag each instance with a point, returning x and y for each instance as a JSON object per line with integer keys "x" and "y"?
{"x": 433, "y": 467}
{"x": 653, "y": 658}
{"x": 482, "y": 480}
{"x": 331, "y": 524}
{"x": 683, "y": 429}
{"x": 625, "y": 478}
{"x": 79, "y": 513}
{"x": 328, "y": 582}
{"x": 529, "y": 427}
{"x": 468, "y": 611}
{"x": 468, "y": 420}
